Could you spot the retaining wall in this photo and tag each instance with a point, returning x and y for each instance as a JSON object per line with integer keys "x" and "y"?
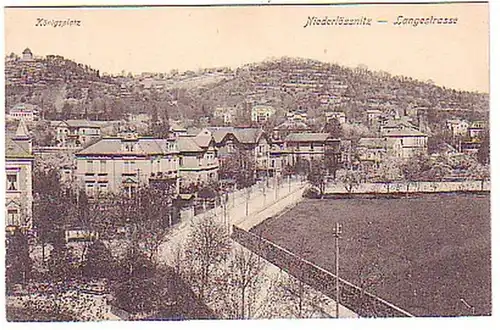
{"x": 351, "y": 296}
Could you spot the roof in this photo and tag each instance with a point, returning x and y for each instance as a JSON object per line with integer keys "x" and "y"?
{"x": 80, "y": 123}
{"x": 22, "y": 130}
{"x": 203, "y": 140}
{"x": 23, "y": 107}
{"x": 176, "y": 127}
{"x": 17, "y": 149}
{"x": 243, "y": 135}
{"x": 188, "y": 144}
{"x": 113, "y": 146}
{"x": 307, "y": 137}
{"x": 27, "y": 51}
{"x": 372, "y": 143}
{"x": 404, "y": 132}
{"x": 292, "y": 125}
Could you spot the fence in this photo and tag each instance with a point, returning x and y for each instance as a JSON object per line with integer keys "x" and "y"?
{"x": 355, "y": 298}
{"x": 412, "y": 187}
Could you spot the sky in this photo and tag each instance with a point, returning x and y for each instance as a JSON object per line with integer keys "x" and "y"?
{"x": 161, "y": 39}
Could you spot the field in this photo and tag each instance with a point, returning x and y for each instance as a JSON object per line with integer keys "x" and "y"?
{"x": 429, "y": 255}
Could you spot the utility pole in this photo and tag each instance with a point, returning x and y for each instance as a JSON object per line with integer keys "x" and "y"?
{"x": 336, "y": 233}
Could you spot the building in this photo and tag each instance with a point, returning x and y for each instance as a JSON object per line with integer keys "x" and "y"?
{"x": 340, "y": 116}
{"x": 27, "y": 55}
{"x": 18, "y": 168}
{"x": 297, "y": 116}
{"x": 373, "y": 115}
{"x": 225, "y": 113}
{"x": 76, "y": 132}
{"x": 477, "y": 130}
{"x": 412, "y": 141}
{"x": 252, "y": 142}
{"x": 120, "y": 164}
{"x": 457, "y": 127}
{"x": 371, "y": 152}
{"x": 312, "y": 146}
{"x": 262, "y": 113}
{"x": 289, "y": 127}
{"x": 24, "y": 111}
{"x": 198, "y": 161}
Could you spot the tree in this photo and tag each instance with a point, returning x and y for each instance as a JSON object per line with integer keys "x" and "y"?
{"x": 136, "y": 291}
{"x": 412, "y": 169}
{"x": 152, "y": 218}
{"x": 18, "y": 263}
{"x": 300, "y": 299}
{"x": 207, "y": 246}
{"x": 63, "y": 265}
{"x": 479, "y": 172}
{"x": 50, "y": 206}
{"x": 317, "y": 176}
{"x": 351, "y": 179}
{"x": 483, "y": 154}
{"x": 389, "y": 172}
{"x": 99, "y": 262}
{"x": 243, "y": 274}
{"x": 334, "y": 128}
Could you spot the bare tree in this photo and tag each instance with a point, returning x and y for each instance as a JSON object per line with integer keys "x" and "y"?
{"x": 207, "y": 247}
{"x": 243, "y": 274}
{"x": 301, "y": 301}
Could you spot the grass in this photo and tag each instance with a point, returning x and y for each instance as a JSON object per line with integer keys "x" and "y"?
{"x": 422, "y": 254}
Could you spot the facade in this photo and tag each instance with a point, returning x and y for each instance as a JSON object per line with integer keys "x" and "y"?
{"x": 289, "y": 127}
{"x": 253, "y": 142}
{"x": 24, "y": 111}
{"x": 198, "y": 162}
{"x": 373, "y": 115}
{"x": 297, "y": 116}
{"x": 412, "y": 141}
{"x": 340, "y": 116}
{"x": 311, "y": 146}
{"x": 120, "y": 164}
{"x": 262, "y": 113}
{"x": 457, "y": 127}
{"x": 372, "y": 151}
{"x": 18, "y": 168}
{"x": 476, "y": 130}
{"x": 76, "y": 133}
{"x": 27, "y": 55}
{"x": 225, "y": 113}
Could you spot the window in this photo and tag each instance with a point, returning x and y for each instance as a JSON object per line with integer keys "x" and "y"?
{"x": 89, "y": 188}
{"x": 126, "y": 167}
{"x": 12, "y": 182}
{"x": 90, "y": 166}
{"x": 312, "y": 146}
{"x": 102, "y": 166}
{"x": 102, "y": 187}
{"x": 273, "y": 163}
{"x": 181, "y": 161}
{"x": 12, "y": 217}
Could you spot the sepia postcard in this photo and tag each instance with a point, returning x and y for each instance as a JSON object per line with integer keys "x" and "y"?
{"x": 247, "y": 162}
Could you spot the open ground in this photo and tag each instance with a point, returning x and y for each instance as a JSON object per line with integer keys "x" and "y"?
{"x": 430, "y": 255}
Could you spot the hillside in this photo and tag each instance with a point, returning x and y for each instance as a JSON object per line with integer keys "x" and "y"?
{"x": 63, "y": 88}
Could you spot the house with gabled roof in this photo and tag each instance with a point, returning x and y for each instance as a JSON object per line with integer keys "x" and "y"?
{"x": 18, "y": 168}
{"x": 198, "y": 162}
{"x": 121, "y": 164}
{"x": 412, "y": 141}
{"x": 251, "y": 141}
{"x": 76, "y": 132}
{"x": 312, "y": 146}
